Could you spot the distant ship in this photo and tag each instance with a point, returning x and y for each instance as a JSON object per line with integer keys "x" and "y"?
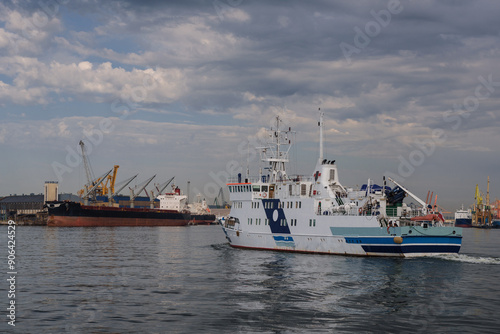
{"x": 463, "y": 218}
{"x": 173, "y": 210}
{"x": 102, "y": 206}
{"x": 73, "y": 214}
{"x": 199, "y": 212}
{"x": 317, "y": 214}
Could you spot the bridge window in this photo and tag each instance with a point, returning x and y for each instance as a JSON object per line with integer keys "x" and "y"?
{"x": 303, "y": 189}
{"x": 332, "y": 174}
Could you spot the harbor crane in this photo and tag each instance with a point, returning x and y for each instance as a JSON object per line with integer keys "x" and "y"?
{"x": 88, "y": 171}
{"x": 220, "y": 201}
{"x": 92, "y": 190}
{"x": 106, "y": 185}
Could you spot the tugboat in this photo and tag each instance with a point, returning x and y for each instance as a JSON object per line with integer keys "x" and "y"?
{"x": 317, "y": 214}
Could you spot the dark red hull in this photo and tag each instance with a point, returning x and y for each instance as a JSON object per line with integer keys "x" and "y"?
{"x": 202, "y": 219}
{"x": 70, "y": 214}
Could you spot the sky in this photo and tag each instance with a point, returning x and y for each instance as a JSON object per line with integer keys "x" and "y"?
{"x": 409, "y": 89}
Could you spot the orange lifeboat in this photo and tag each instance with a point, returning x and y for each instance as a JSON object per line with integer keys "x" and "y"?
{"x": 429, "y": 217}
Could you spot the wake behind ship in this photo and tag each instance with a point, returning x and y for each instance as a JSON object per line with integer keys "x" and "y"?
{"x": 316, "y": 214}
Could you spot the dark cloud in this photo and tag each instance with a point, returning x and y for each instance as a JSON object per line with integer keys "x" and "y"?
{"x": 233, "y": 57}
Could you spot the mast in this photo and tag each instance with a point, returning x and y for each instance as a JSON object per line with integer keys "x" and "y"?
{"x": 276, "y": 152}
{"x": 320, "y": 124}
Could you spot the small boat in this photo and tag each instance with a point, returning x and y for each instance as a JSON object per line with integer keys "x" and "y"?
{"x": 315, "y": 213}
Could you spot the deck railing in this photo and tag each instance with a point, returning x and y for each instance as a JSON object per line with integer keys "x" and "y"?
{"x": 265, "y": 179}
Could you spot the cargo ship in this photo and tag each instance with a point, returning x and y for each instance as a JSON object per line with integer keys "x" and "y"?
{"x": 463, "y": 218}
{"x": 168, "y": 209}
{"x": 103, "y": 206}
{"x": 315, "y": 213}
{"x": 73, "y": 214}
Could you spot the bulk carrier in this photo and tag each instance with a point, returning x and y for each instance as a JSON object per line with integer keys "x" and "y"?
{"x": 317, "y": 214}
{"x": 102, "y": 206}
{"x": 73, "y": 214}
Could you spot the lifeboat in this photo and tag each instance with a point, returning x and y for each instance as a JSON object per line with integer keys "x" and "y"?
{"x": 429, "y": 217}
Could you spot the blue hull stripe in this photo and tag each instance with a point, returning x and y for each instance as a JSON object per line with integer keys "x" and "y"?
{"x": 411, "y": 249}
{"x": 282, "y": 241}
{"x": 407, "y": 240}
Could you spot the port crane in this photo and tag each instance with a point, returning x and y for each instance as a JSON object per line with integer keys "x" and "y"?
{"x": 220, "y": 201}
{"x": 92, "y": 190}
{"x": 105, "y": 185}
{"x": 481, "y": 212}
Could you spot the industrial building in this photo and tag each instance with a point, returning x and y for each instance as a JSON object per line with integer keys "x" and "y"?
{"x": 25, "y": 208}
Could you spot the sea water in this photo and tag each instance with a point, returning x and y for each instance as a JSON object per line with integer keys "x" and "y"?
{"x": 188, "y": 280}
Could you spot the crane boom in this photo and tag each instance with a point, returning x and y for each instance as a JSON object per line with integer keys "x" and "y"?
{"x": 162, "y": 187}
{"x": 98, "y": 183}
{"x": 409, "y": 193}
{"x": 122, "y": 187}
{"x": 113, "y": 180}
{"x": 133, "y": 197}
{"x": 86, "y": 164}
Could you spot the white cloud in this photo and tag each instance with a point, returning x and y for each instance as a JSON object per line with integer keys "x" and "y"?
{"x": 34, "y": 81}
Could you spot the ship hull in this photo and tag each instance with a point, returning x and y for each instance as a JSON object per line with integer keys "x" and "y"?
{"x": 408, "y": 241}
{"x": 202, "y": 219}
{"x": 72, "y": 214}
{"x": 463, "y": 222}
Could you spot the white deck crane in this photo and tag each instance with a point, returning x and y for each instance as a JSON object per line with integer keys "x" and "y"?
{"x": 133, "y": 195}
{"x": 159, "y": 190}
{"x": 126, "y": 183}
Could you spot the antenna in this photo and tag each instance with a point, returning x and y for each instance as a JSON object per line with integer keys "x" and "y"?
{"x": 248, "y": 160}
{"x": 320, "y": 124}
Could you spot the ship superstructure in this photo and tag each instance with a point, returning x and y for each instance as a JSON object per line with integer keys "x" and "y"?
{"x": 463, "y": 218}
{"x": 316, "y": 213}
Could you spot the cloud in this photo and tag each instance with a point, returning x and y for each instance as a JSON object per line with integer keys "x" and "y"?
{"x": 204, "y": 73}
{"x": 34, "y": 82}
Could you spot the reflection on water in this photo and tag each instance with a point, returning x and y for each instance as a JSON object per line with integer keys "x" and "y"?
{"x": 187, "y": 279}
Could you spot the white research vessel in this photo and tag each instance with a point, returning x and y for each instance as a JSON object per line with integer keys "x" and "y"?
{"x": 316, "y": 214}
